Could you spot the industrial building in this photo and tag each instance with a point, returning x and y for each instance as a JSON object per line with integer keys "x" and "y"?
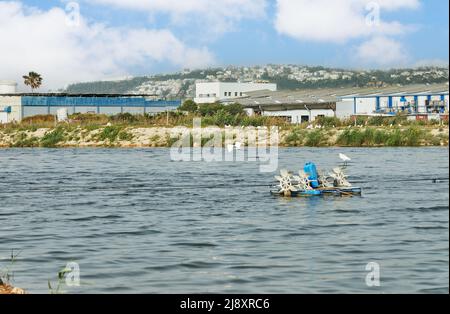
{"x": 14, "y": 106}
{"x": 306, "y": 105}
{"x": 300, "y": 106}
{"x": 211, "y": 92}
{"x": 413, "y": 100}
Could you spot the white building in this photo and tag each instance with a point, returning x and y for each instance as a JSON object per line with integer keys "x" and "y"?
{"x": 302, "y": 106}
{"x": 8, "y": 87}
{"x": 432, "y": 99}
{"x": 211, "y": 92}
{"x": 10, "y": 107}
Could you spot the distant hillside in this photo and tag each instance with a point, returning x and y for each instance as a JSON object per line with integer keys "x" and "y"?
{"x": 106, "y": 87}
{"x": 288, "y": 77}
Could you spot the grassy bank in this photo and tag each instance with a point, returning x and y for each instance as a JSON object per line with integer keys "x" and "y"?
{"x": 411, "y": 136}
{"x": 126, "y": 130}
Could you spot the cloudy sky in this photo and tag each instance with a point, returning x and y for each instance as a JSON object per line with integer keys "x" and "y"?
{"x": 72, "y": 41}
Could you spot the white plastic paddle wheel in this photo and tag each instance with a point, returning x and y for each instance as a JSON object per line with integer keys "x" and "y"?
{"x": 340, "y": 178}
{"x": 285, "y": 186}
{"x": 325, "y": 181}
{"x": 303, "y": 182}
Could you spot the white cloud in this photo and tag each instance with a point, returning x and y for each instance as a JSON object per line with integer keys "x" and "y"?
{"x": 41, "y": 41}
{"x": 216, "y": 16}
{"x": 383, "y": 51}
{"x": 337, "y": 21}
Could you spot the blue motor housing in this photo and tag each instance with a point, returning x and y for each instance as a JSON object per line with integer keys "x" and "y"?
{"x": 311, "y": 171}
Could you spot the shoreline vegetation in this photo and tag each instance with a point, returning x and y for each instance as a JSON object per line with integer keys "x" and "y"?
{"x": 139, "y": 131}
{"x": 6, "y": 275}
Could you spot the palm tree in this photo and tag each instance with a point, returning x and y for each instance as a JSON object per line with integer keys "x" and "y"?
{"x": 33, "y": 79}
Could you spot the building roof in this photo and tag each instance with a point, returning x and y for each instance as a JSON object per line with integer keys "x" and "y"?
{"x": 8, "y": 82}
{"x": 325, "y": 97}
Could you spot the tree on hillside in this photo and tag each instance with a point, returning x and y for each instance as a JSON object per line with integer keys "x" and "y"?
{"x": 33, "y": 79}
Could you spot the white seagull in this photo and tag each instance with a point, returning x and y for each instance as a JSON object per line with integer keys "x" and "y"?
{"x": 232, "y": 147}
{"x": 345, "y": 158}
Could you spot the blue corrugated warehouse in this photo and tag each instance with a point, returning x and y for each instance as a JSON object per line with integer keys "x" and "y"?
{"x": 20, "y": 106}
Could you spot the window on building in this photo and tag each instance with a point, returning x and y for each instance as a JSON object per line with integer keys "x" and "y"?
{"x": 236, "y": 94}
{"x": 305, "y": 119}
{"x": 241, "y": 94}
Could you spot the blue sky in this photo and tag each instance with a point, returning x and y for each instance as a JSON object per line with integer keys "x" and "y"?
{"x": 114, "y": 38}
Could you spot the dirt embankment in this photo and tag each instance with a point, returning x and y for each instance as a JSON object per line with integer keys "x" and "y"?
{"x": 140, "y": 137}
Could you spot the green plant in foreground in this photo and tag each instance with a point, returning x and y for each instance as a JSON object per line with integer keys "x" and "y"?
{"x": 6, "y": 274}
{"x": 61, "y": 279}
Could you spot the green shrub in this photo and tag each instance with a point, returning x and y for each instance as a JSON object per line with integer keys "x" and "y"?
{"x": 22, "y": 140}
{"x": 210, "y": 109}
{"x": 222, "y": 117}
{"x": 92, "y": 127}
{"x": 328, "y": 122}
{"x": 88, "y": 117}
{"x": 399, "y": 120}
{"x": 172, "y": 140}
{"x": 314, "y": 138}
{"x": 189, "y": 106}
{"x": 376, "y": 121}
{"x": 380, "y": 137}
{"x": 436, "y": 141}
{"x": 293, "y": 137}
{"x": 155, "y": 138}
{"x": 413, "y": 136}
{"x": 347, "y": 138}
{"x": 395, "y": 139}
{"x": 359, "y": 138}
{"x": 125, "y": 136}
{"x": 124, "y": 117}
{"x": 110, "y": 133}
{"x": 235, "y": 109}
{"x": 51, "y": 139}
{"x": 368, "y": 137}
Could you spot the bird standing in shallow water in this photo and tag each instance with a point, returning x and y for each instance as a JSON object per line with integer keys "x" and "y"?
{"x": 345, "y": 159}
